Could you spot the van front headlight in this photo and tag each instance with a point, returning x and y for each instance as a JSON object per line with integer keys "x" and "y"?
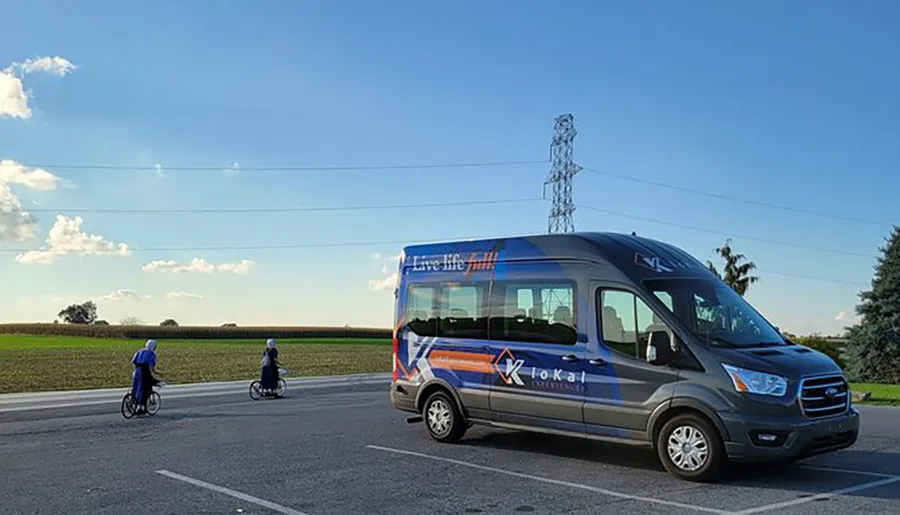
{"x": 760, "y": 383}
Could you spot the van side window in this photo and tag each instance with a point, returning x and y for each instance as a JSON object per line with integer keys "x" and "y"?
{"x": 534, "y": 313}
{"x": 421, "y": 315}
{"x": 626, "y": 323}
{"x": 464, "y": 311}
{"x": 666, "y": 299}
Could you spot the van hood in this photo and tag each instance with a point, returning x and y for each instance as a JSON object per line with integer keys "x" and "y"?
{"x": 791, "y": 361}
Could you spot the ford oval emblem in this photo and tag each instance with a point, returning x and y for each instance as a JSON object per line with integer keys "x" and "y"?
{"x": 831, "y": 393}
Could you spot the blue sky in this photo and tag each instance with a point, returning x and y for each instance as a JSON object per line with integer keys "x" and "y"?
{"x": 787, "y": 104}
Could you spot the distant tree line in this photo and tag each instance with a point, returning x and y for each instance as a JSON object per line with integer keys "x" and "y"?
{"x": 85, "y": 313}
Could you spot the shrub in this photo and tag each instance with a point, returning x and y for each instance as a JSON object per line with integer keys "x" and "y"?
{"x": 830, "y": 349}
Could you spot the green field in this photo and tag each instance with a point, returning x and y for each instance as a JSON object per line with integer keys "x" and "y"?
{"x": 42, "y": 363}
{"x": 882, "y": 394}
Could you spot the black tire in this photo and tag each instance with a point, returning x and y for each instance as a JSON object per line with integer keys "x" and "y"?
{"x": 442, "y": 418}
{"x": 128, "y": 406}
{"x": 154, "y": 402}
{"x": 707, "y": 450}
{"x": 256, "y": 392}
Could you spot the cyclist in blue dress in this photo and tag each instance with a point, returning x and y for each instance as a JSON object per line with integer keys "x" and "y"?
{"x": 142, "y": 380}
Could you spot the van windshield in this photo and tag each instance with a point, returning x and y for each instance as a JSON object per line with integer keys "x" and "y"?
{"x": 715, "y": 312}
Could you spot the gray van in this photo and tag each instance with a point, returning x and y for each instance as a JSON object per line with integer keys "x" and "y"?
{"x": 610, "y": 337}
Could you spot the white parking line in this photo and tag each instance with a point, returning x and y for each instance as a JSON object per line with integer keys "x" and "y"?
{"x": 844, "y": 471}
{"x": 589, "y": 488}
{"x": 820, "y": 497}
{"x": 222, "y": 490}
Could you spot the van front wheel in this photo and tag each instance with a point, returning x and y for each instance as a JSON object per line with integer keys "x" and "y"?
{"x": 443, "y": 419}
{"x": 690, "y": 448}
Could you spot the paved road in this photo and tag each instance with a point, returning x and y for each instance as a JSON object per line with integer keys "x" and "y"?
{"x": 341, "y": 449}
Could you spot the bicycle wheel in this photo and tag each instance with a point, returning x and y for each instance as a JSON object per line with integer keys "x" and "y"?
{"x": 128, "y": 406}
{"x": 153, "y": 403}
{"x": 256, "y": 391}
{"x": 282, "y": 387}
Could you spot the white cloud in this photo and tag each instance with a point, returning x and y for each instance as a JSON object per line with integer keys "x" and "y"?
{"x": 16, "y": 224}
{"x": 181, "y": 295}
{"x": 159, "y": 171}
{"x": 67, "y": 237}
{"x": 58, "y": 66}
{"x": 840, "y": 316}
{"x": 376, "y": 256}
{"x": 388, "y": 283}
{"x": 198, "y": 266}
{"x": 13, "y": 99}
{"x": 13, "y": 96}
{"x": 39, "y": 179}
{"x": 120, "y": 295}
{"x": 233, "y": 169}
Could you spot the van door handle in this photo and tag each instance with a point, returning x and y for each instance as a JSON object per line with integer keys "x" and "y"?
{"x": 570, "y": 358}
{"x": 597, "y": 361}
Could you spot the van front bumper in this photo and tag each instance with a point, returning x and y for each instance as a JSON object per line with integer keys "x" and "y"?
{"x": 764, "y": 439}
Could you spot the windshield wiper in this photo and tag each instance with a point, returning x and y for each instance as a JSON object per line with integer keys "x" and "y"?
{"x": 720, "y": 342}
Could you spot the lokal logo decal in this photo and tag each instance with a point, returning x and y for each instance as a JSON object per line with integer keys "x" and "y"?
{"x": 652, "y": 262}
{"x": 510, "y": 374}
{"x": 508, "y": 368}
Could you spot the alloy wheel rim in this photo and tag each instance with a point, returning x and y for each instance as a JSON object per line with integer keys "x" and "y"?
{"x": 688, "y": 448}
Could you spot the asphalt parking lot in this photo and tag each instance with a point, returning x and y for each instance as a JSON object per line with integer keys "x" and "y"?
{"x": 344, "y": 450}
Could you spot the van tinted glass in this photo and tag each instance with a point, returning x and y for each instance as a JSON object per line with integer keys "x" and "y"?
{"x": 534, "y": 312}
{"x": 626, "y": 322}
{"x": 716, "y": 313}
{"x": 464, "y": 311}
{"x": 421, "y": 315}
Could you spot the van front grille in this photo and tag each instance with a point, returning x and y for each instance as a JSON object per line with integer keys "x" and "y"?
{"x": 824, "y": 396}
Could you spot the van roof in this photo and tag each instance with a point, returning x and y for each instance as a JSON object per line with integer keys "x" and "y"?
{"x": 623, "y": 251}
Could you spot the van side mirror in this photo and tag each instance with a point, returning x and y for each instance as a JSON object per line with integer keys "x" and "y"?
{"x": 662, "y": 348}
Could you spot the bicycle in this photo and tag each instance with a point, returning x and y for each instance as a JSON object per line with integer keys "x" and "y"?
{"x": 257, "y": 392}
{"x": 130, "y": 407}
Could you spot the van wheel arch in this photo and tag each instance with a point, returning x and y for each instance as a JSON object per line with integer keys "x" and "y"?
{"x": 683, "y": 409}
{"x": 439, "y": 386}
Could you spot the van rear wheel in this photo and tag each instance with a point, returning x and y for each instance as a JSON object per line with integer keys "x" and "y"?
{"x": 443, "y": 419}
{"x": 690, "y": 448}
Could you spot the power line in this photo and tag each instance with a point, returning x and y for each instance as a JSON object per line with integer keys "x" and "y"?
{"x": 810, "y": 277}
{"x": 738, "y": 199}
{"x": 290, "y": 209}
{"x": 439, "y": 204}
{"x": 727, "y": 234}
{"x": 267, "y": 247}
{"x": 242, "y": 168}
{"x": 353, "y": 244}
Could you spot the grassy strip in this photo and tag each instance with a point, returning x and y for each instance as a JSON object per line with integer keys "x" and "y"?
{"x": 882, "y": 394}
{"x": 44, "y": 363}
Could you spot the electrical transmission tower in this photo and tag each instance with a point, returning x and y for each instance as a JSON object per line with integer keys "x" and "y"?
{"x": 562, "y": 169}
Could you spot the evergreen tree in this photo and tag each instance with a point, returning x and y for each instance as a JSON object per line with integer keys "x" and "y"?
{"x": 874, "y": 348}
